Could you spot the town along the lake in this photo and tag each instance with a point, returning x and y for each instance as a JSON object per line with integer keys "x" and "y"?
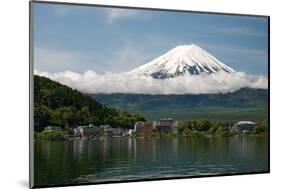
{"x": 161, "y": 128}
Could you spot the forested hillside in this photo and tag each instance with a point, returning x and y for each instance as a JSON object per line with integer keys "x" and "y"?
{"x": 57, "y": 104}
{"x": 243, "y": 104}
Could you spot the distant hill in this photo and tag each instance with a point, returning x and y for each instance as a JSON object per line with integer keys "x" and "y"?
{"x": 245, "y": 103}
{"x": 57, "y": 104}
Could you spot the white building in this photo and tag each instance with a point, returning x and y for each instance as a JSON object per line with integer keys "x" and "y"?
{"x": 52, "y": 128}
{"x": 131, "y": 131}
{"x": 138, "y": 126}
{"x": 86, "y": 130}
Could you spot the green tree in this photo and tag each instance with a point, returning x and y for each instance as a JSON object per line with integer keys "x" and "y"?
{"x": 261, "y": 127}
{"x": 203, "y": 125}
{"x": 60, "y": 105}
{"x": 224, "y": 131}
{"x": 41, "y": 117}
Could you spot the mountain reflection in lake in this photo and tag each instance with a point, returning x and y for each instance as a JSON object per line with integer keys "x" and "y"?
{"x": 115, "y": 159}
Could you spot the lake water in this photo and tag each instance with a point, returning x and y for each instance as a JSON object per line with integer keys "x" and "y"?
{"x": 115, "y": 159}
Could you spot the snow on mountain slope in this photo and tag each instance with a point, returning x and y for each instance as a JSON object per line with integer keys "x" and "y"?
{"x": 182, "y": 60}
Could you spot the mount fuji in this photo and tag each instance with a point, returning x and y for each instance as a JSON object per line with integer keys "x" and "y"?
{"x": 182, "y": 60}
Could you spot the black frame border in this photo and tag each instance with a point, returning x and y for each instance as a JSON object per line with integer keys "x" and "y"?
{"x": 31, "y": 84}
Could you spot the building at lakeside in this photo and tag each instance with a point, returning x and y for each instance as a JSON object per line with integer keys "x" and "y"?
{"x": 164, "y": 125}
{"x": 143, "y": 127}
{"x": 147, "y": 127}
{"x": 131, "y": 131}
{"x": 242, "y": 126}
{"x": 89, "y": 130}
{"x": 137, "y": 126}
{"x": 102, "y": 130}
{"x": 119, "y": 131}
{"x": 106, "y": 130}
{"x": 52, "y": 128}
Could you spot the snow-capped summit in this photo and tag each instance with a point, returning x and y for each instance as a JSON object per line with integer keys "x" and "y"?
{"x": 182, "y": 60}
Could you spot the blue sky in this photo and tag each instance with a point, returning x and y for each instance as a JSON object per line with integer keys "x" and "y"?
{"x": 80, "y": 38}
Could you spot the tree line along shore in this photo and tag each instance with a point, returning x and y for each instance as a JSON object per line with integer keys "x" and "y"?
{"x": 188, "y": 128}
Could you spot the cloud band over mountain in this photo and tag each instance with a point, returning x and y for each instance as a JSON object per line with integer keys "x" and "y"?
{"x": 91, "y": 82}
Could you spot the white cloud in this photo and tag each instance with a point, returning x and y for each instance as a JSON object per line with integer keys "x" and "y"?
{"x": 115, "y": 14}
{"x": 91, "y": 82}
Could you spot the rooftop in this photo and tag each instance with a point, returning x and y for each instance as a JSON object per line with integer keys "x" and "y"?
{"x": 245, "y": 122}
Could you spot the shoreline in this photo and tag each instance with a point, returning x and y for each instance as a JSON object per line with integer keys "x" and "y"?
{"x": 99, "y": 138}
